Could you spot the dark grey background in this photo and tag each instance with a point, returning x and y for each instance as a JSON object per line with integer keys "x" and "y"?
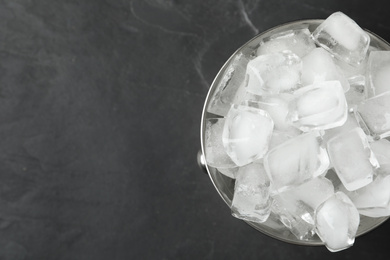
{"x": 100, "y": 106}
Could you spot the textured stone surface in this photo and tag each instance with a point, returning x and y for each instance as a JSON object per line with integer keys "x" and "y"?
{"x": 100, "y": 105}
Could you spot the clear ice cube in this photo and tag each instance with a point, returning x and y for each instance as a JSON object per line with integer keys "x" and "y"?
{"x": 342, "y": 37}
{"x": 352, "y": 158}
{"x": 225, "y": 92}
{"x": 318, "y": 106}
{"x": 297, "y": 41}
{"x": 295, "y": 207}
{"x": 318, "y": 66}
{"x": 246, "y": 134}
{"x": 373, "y": 200}
{"x": 337, "y": 221}
{"x": 374, "y": 115}
{"x": 251, "y": 200}
{"x": 294, "y": 215}
{"x": 296, "y": 161}
{"x": 215, "y": 153}
{"x": 273, "y": 73}
{"x": 378, "y": 73}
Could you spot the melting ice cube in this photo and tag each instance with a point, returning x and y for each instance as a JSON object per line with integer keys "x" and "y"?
{"x": 273, "y": 73}
{"x": 352, "y": 158}
{"x": 296, "y": 161}
{"x": 318, "y": 106}
{"x": 337, "y": 221}
{"x": 342, "y": 37}
{"x": 378, "y": 73}
{"x": 246, "y": 134}
{"x": 296, "y": 41}
{"x": 251, "y": 199}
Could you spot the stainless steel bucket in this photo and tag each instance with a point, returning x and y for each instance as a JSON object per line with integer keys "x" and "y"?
{"x": 225, "y": 186}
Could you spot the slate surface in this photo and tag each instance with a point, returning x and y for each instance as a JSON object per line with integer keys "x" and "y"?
{"x": 100, "y": 105}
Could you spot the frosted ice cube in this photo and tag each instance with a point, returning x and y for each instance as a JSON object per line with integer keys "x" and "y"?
{"x": 229, "y": 172}
{"x": 356, "y": 93}
{"x": 373, "y": 200}
{"x": 342, "y": 37}
{"x": 296, "y": 41}
{"x": 225, "y": 92}
{"x": 378, "y": 73}
{"x": 246, "y": 134}
{"x": 381, "y": 150}
{"x": 318, "y": 66}
{"x": 352, "y": 158}
{"x": 273, "y": 73}
{"x": 215, "y": 153}
{"x": 318, "y": 106}
{"x": 374, "y": 115}
{"x": 295, "y": 207}
{"x": 251, "y": 200}
{"x": 296, "y": 161}
{"x": 337, "y": 221}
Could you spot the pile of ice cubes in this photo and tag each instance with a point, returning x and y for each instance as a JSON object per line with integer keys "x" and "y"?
{"x": 301, "y": 125}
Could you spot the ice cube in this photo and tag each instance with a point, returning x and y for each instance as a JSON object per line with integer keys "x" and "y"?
{"x": 246, "y": 134}
{"x": 215, "y": 153}
{"x": 373, "y": 200}
{"x": 251, "y": 200}
{"x": 273, "y": 73}
{"x": 318, "y": 106}
{"x": 356, "y": 93}
{"x": 342, "y": 37}
{"x": 225, "y": 92}
{"x": 297, "y": 41}
{"x": 295, "y": 207}
{"x": 318, "y": 66}
{"x": 374, "y": 115}
{"x": 378, "y": 73}
{"x": 381, "y": 150}
{"x": 352, "y": 158}
{"x": 337, "y": 221}
{"x": 294, "y": 215}
{"x": 296, "y": 161}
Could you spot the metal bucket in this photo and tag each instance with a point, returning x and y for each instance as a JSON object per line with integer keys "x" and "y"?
{"x": 225, "y": 185}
